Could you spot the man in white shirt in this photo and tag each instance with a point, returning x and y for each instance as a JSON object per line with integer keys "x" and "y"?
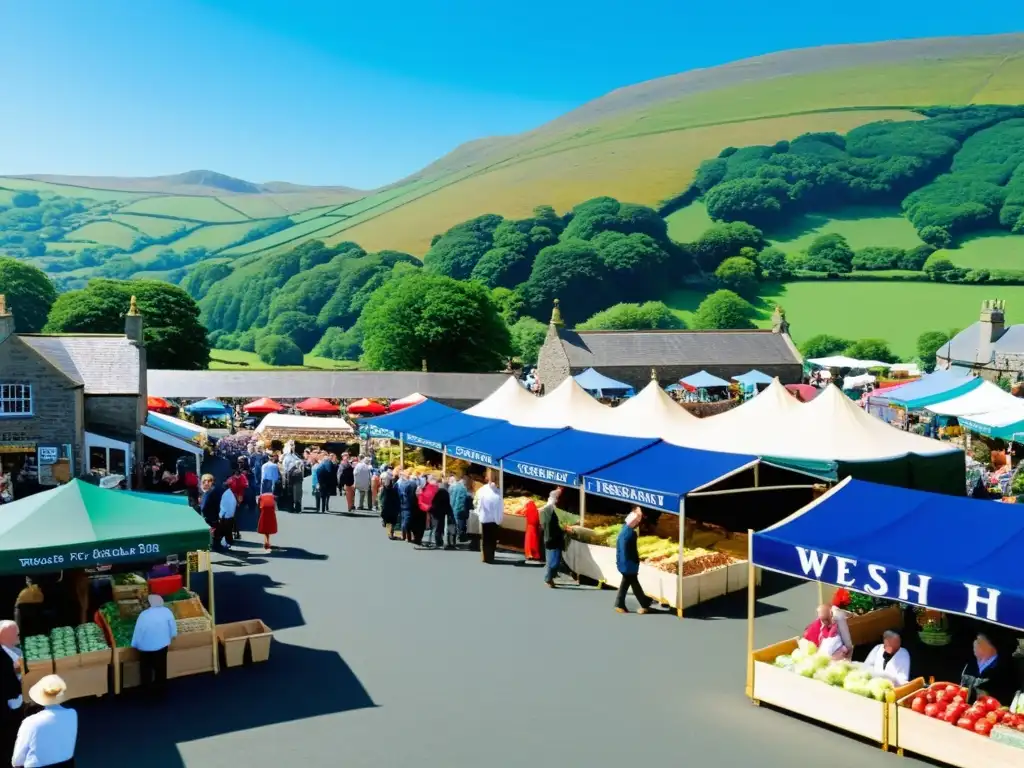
{"x": 490, "y": 507}
{"x": 10, "y": 684}
{"x": 47, "y": 738}
{"x": 890, "y": 658}
{"x": 361, "y": 473}
{"x": 154, "y": 630}
{"x": 228, "y": 506}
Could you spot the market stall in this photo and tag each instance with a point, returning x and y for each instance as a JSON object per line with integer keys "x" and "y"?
{"x": 79, "y": 528}
{"x": 601, "y": 386}
{"x": 282, "y": 427}
{"x": 510, "y": 397}
{"x": 892, "y": 543}
{"x": 394, "y": 425}
{"x": 366, "y": 407}
{"x": 405, "y": 402}
{"x": 181, "y": 436}
{"x": 317, "y": 405}
{"x": 262, "y": 406}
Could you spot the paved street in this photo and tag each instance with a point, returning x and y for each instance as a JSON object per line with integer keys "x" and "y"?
{"x": 386, "y": 656}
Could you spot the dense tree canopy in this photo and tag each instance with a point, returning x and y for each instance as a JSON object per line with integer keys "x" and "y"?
{"x": 651, "y": 315}
{"x": 738, "y": 274}
{"x": 300, "y": 328}
{"x": 722, "y": 310}
{"x": 457, "y": 252}
{"x": 418, "y": 316}
{"x": 278, "y": 350}
{"x": 173, "y": 334}
{"x": 527, "y": 338}
{"x": 928, "y": 344}
{"x": 724, "y": 240}
{"x": 29, "y": 293}
{"x": 829, "y": 253}
{"x": 871, "y": 349}
{"x": 823, "y": 345}
{"x": 573, "y": 272}
{"x": 516, "y": 244}
{"x": 202, "y": 277}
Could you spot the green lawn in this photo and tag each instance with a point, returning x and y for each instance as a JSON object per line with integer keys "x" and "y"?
{"x": 995, "y": 249}
{"x": 210, "y": 236}
{"x": 689, "y": 223}
{"x": 235, "y": 360}
{"x": 898, "y": 311}
{"x": 105, "y": 233}
{"x": 284, "y": 236}
{"x": 862, "y": 226}
{"x": 66, "y": 190}
{"x": 154, "y": 226}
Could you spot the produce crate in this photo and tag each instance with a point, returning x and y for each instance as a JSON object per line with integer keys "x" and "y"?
{"x": 37, "y": 670}
{"x": 129, "y": 592}
{"x": 165, "y": 585}
{"x": 96, "y": 658}
{"x": 929, "y": 737}
{"x": 88, "y": 681}
{"x": 190, "y": 661}
{"x": 131, "y": 675}
{"x": 233, "y": 638}
{"x": 259, "y": 635}
{"x": 61, "y": 666}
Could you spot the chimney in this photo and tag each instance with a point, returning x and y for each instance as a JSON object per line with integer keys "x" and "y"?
{"x": 556, "y": 315}
{"x": 424, "y": 367}
{"x": 779, "y": 322}
{"x": 6, "y": 320}
{"x": 992, "y": 320}
{"x": 133, "y": 323}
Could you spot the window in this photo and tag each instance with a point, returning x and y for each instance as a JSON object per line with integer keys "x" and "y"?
{"x": 15, "y": 399}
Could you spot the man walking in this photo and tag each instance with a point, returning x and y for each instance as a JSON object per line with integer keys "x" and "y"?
{"x": 461, "y": 503}
{"x": 326, "y": 483}
{"x": 554, "y": 537}
{"x": 226, "y": 518}
{"x": 346, "y": 480}
{"x": 361, "y": 476}
{"x": 408, "y": 503}
{"x": 154, "y": 631}
{"x": 270, "y": 476}
{"x": 627, "y": 559}
{"x": 491, "y": 510}
{"x": 209, "y": 506}
{"x": 293, "y": 484}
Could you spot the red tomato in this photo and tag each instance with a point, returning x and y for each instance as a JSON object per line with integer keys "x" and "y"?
{"x": 1020, "y": 726}
{"x": 993, "y": 717}
{"x": 984, "y": 727}
{"x": 976, "y": 712}
{"x": 958, "y": 711}
{"x": 943, "y": 696}
{"x": 958, "y": 699}
{"x": 964, "y": 692}
{"x": 932, "y": 710}
{"x": 930, "y": 697}
{"x": 990, "y": 704}
{"x": 919, "y": 704}
{"x": 966, "y": 723}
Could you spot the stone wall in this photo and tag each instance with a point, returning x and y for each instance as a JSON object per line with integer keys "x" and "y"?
{"x": 552, "y": 362}
{"x": 1010, "y": 365}
{"x": 703, "y": 410}
{"x": 116, "y": 415}
{"x": 56, "y": 402}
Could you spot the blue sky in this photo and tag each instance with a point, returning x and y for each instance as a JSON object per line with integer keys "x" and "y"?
{"x": 363, "y": 93}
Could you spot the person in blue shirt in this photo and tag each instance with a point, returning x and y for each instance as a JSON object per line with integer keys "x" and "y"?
{"x": 408, "y": 504}
{"x": 627, "y": 559}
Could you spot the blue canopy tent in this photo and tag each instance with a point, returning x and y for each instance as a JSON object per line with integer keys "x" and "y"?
{"x": 752, "y": 378}
{"x": 394, "y": 424}
{"x": 703, "y": 380}
{"x": 599, "y": 385}
{"x": 565, "y": 457}
{"x": 209, "y": 407}
{"x": 930, "y": 389}
{"x": 661, "y": 475}
{"x": 673, "y": 387}
{"x": 436, "y": 434}
{"x": 489, "y": 446}
{"x": 890, "y": 543}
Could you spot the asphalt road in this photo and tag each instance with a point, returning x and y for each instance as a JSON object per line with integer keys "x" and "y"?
{"x": 386, "y": 655}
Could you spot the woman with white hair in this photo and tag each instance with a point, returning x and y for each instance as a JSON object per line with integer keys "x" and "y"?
{"x": 47, "y": 738}
{"x": 10, "y": 685}
{"x": 890, "y": 659}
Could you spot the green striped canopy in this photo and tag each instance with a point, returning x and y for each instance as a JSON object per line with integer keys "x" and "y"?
{"x": 79, "y": 525}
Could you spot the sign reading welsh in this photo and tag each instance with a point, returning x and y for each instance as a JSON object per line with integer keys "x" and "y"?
{"x": 468, "y": 454}
{"x": 666, "y": 502}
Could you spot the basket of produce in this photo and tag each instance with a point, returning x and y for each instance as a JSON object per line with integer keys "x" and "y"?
{"x": 195, "y": 624}
{"x": 63, "y": 648}
{"x": 121, "y": 628}
{"x": 188, "y": 609}
{"x": 129, "y": 609}
{"x": 181, "y": 594}
{"x": 129, "y": 586}
{"x": 37, "y": 649}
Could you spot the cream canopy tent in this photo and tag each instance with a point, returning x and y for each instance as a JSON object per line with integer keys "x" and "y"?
{"x": 651, "y": 413}
{"x": 506, "y": 400}
{"x": 841, "y": 361}
{"x": 568, "y": 405}
{"x": 752, "y": 427}
{"x": 305, "y": 429}
{"x": 984, "y": 398}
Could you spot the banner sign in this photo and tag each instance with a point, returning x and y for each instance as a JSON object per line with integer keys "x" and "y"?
{"x": 666, "y": 502}
{"x": 537, "y": 472}
{"x": 375, "y": 431}
{"x": 422, "y": 442}
{"x": 85, "y": 557}
{"x": 928, "y": 591}
{"x": 468, "y": 454}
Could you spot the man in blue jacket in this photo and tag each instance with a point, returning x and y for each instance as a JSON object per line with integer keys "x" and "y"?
{"x": 407, "y": 503}
{"x": 627, "y": 559}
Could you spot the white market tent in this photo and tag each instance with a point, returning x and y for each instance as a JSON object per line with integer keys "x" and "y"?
{"x": 774, "y": 411}
{"x": 984, "y": 398}
{"x": 652, "y": 413}
{"x": 506, "y": 400}
{"x": 568, "y": 405}
{"x": 856, "y": 382}
{"x": 287, "y": 426}
{"x": 841, "y": 361}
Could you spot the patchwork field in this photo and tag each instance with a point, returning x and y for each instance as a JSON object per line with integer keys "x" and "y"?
{"x": 153, "y": 226}
{"x": 196, "y": 208}
{"x": 212, "y": 237}
{"x": 234, "y": 360}
{"x": 861, "y": 226}
{"x": 66, "y": 190}
{"x": 105, "y": 233}
{"x": 990, "y": 250}
{"x": 302, "y": 231}
{"x": 896, "y": 311}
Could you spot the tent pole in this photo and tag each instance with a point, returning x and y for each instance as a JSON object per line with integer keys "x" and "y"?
{"x": 501, "y": 478}
{"x": 444, "y": 464}
{"x": 583, "y": 505}
{"x": 401, "y": 453}
{"x": 751, "y": 606}
{"x": 188, "y": 573}
{"x": 757, "y": 475}
{"x": 679, "y": 565}
{"x": 821, "y": 593}
{"x": 213, "y": 622}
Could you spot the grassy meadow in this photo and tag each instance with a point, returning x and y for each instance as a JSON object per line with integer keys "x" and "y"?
{"x": 235, "y": 360}
{"x": 997, "y": 249}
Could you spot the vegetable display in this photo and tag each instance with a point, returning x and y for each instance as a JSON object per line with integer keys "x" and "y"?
{"x": 806, "y": 661}
{"x": 948, "y": 702}
{"x": 122, "y": 628}
{"x": 663, "y": 553}
{"x": 37, "y": 648}
{"x": 127, "y": 579}
{"x": 62, "y": 642}
{"x": 89, "y": 638}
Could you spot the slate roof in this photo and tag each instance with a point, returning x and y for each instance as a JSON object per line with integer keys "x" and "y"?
{"x": 333, "y": 384}
{"x": 613, "y": 349}
{"x": 969, "y": 346}
{"x": 103, "y": 365}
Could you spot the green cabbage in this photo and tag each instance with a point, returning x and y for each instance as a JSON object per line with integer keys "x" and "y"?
{"x": 784, "y": 661}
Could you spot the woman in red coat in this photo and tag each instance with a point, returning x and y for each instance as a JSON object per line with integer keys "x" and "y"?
{"x": 533, "y": 532}
{"x": 268, "y": 518}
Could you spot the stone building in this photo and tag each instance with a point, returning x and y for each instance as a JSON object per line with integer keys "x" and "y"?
{"x": 70, "y": 403}
{"x": 629, "y": 356}
{"x": 989, "y": 347}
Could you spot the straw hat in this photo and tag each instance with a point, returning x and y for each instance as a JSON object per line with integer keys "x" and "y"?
{"x": 48, "y": 691}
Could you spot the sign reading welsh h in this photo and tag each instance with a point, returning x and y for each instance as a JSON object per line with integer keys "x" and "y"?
{"x": 666, "y": 502}
{"x": 468, "y": 454}
{"x": 545, "y": 474}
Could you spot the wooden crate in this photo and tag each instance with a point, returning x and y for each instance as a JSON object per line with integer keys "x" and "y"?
{"x": 37, "y": 671}
{"x": 190, "y": 661}
{"x": 233, "y": 639}
{"x": 88, "y": 681}
{"x": 259, "y": 635}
